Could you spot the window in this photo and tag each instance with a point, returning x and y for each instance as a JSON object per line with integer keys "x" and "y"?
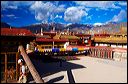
{"x": 43, "y": 47}
{"x": 55, "y": 46}
{"x": 59, "y": 46}
{"x": 62, "y": 46}
{"x": 50, "y": 46}
{"x": 46, "y": 47}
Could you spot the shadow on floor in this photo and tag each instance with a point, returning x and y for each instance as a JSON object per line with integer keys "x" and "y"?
{"x": 54, "y": 66}
{"x": 55, "y": 79}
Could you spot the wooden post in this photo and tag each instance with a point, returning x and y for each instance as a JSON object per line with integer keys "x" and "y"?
{"x": 101, "y": 53}
{"x": 107, "y": 53}
{"x": 94, "y": 52}
{"x": 91, "y": 52}
{"x": 98, "y": 53}
{"x": 53, "y": 44}
{"x": 6, "y": 67}
{"x": 110, "y": 54}
{"x": 31, "y": 67}
{"x": 17, "y": 57}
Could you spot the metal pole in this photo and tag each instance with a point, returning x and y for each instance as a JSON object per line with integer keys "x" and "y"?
{"x": 31, "y": 67}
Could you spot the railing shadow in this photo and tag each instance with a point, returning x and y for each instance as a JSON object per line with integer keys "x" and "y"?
{"x": 55, "y": 79}
{"x": 54, "y": 65}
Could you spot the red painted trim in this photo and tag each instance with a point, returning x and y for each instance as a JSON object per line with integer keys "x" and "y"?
{"x": 16, "y": 32}
{"x": 50, "y": 40}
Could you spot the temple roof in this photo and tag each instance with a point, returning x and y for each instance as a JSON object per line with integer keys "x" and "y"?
{"x": 68, "y": 37}
{"x": 50, "y": 40}
{"x": 57, "y": 36}
{"x": 49, "y": 33}
{"x": 84, "y": 35}
{"x": 101, "y": 35}
{"x": 16, "y": 32}
{"x": 43, "y": 36}
{"x": 111, "y": 39}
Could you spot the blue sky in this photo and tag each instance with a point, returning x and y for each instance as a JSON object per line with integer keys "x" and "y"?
{"x": 23, "y": 13}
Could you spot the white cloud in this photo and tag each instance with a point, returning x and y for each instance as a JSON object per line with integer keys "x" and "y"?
{"x": 12, "y": 7}
{"x": 14, "y": 4}
{"x": 74, "y": 14}
{"x": 122, "y": 3}
{"x": 104, "y": 5}
{"x": 11, "y": 15}
{"x": 121, "y": 16}
{"x": 69, "y": 24}
{"x": 89, "y": 17}
{"x": 43, "y": 10}
{"x": 60, "y": 8}
{"x": 97, "y": 24}
{"x": 40, "y": 10}
{"x": 57, "y": 16}
{"x": 7, "y": 4}
{"x": 88, "y": 9}
{"x": 2, "y": 15}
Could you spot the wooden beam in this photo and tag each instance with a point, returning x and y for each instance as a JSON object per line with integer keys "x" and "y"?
{"x": 6, "y": 67}
{"x": 31, "y": 67}
{"x": 17, "y": 57}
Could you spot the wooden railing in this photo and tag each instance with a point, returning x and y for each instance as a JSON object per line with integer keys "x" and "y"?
{"x": 6, "y": 63}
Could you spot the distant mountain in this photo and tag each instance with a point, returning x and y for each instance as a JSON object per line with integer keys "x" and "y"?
{"x": 46, "y": 27}
{"x": 113, "y": 23}
{"x": 4, "y": 25}
{"x": 58, "y": 27}
{"x": 36, "y": 28}
{"x": 110, "y": 27}
{"x": 82, "y": 26}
